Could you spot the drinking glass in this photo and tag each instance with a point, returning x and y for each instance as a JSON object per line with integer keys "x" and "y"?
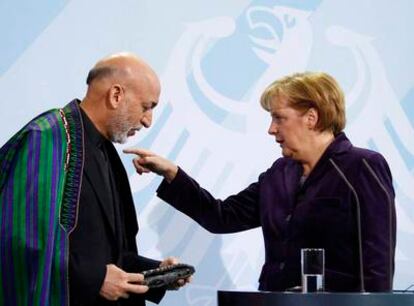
{"x": 313, "y": 270}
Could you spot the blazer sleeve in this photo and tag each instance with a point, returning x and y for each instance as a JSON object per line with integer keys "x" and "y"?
{"x": 135, "y": 263}
{"x": 378, "y": 222}
{"x": 236, "y": 213}
{"x": 86, "y": 279}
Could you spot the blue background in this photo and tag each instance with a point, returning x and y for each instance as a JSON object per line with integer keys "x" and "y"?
{"x": 214, "y": 59}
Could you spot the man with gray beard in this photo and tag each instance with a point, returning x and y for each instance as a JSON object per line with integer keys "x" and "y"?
{"x": 74, "y": 242}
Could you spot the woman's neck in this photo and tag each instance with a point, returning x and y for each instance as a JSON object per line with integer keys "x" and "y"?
{"x": 317, "y": 146}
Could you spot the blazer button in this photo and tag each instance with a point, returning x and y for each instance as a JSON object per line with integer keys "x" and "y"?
{"x": 281, "y": 265}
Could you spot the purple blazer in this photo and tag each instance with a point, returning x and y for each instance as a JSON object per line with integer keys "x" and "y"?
{"x": 322, "y": 213}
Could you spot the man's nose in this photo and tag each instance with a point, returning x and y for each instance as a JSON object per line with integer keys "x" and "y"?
{"x": 147, "y": 119}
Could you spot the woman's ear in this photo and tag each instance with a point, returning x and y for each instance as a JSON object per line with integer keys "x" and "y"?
{"x": 312, "y": 118}
{"x": 115, "y": 95}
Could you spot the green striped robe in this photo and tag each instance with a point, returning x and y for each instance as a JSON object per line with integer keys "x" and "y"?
{"x": 40, "y": 178}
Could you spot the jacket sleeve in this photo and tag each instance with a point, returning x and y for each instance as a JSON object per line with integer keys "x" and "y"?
{"x": 236, "y": 213}
{"x": 378, "y": 222}
{"x": 134, "y": 263}
{"x": 86, "y": 278}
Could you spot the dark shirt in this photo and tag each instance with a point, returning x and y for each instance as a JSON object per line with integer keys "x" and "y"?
{"x": 98, "y": 156}
{"x": 98, "y": 146}
{"x": 103, "y": 150}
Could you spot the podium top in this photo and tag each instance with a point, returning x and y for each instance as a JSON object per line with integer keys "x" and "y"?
{"x": 263, "y": 298}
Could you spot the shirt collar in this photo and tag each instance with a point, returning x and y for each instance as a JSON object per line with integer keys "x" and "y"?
{"x": 340, "y": 144}
{"x": 91, "y": 131}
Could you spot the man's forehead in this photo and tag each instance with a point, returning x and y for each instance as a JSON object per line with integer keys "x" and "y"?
{"x": 152, "y": 97}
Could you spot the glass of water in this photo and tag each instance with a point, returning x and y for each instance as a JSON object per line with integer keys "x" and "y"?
{"x": 313, "y": 270}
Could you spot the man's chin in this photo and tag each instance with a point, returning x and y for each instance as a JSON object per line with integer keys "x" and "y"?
{"x": 121, "y": 139}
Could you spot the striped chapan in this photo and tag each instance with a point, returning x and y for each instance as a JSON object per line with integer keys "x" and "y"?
{"x": 40, "y": 178}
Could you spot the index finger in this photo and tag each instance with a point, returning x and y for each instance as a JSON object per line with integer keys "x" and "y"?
{"x": 135, "y": 277}
{"x": 136, "y": 288}
{"x": 138, "y": 151}
{"x": 169, "y": 261}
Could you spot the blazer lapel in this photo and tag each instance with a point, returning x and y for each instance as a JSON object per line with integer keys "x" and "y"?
{"x": 292, "y": 174}
{"x": 94, "y": 173}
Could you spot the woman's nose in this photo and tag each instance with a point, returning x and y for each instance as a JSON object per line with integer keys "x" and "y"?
{"x": 272, "y": 128}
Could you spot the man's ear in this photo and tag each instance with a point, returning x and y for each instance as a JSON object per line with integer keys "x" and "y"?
{"x": 312, "y": 118}
{"x": 115, "y": 95}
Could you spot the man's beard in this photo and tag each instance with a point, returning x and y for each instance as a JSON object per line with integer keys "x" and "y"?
{"x": 120, "y": 127}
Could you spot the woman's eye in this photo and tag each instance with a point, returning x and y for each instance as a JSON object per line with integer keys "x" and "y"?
{"x": 277, "y": 119}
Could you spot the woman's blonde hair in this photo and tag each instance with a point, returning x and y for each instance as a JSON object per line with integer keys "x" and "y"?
{"x": 307, "y": 90}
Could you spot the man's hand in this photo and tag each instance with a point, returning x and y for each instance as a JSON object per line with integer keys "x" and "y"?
{"x": 118, "y": 283}
{"x": 173, "y": 261}
{"x": 148, "y": 161}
